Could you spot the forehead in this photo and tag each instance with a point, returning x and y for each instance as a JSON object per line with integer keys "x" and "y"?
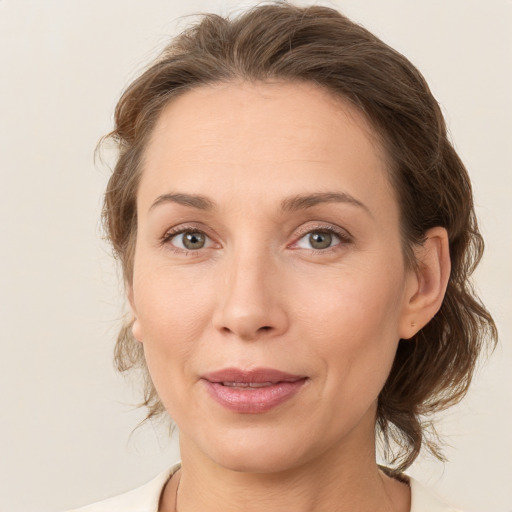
{"x": 252, "y": 136}
{"x": 289, "y": 110}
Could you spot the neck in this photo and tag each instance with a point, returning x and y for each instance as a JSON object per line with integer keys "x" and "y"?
{"x": 326, "y": 484}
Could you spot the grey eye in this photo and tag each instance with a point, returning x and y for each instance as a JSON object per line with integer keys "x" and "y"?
{"x": 190, "y": 240}
{"x": 194, "y": 240}
{"x": 320, "y": 240}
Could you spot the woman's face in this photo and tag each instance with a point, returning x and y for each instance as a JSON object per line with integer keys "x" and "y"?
{"x": 269, "y": 285}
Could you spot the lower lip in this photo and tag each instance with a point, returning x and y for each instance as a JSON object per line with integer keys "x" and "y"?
{"x": 253, "y": 400}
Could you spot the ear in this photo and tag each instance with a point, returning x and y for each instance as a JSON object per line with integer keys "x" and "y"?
{"x": 427, "y": 283}
{"x": 136, "y": 327}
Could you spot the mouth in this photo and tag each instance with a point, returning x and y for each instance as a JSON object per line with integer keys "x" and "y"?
{"x": 245, "y": 385}
{"x": 254, "y": 391}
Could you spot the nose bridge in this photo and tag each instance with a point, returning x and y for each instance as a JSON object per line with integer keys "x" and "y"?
{"x": 249, "y": 302}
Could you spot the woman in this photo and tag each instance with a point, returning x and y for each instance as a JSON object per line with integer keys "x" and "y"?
{"x": 296, "y": 234}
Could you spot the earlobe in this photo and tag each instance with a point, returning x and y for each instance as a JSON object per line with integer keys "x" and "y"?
{"x": 136, "y": 327}
{"x": 428, "y": 283}
{"x": 136, "y": 330}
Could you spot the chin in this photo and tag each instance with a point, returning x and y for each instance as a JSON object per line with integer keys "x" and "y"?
{"x": 257, "y": 462}
{"x": 259, "y": 453}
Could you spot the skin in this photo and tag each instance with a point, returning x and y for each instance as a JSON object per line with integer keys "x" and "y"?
{"x": 257, "y": 294}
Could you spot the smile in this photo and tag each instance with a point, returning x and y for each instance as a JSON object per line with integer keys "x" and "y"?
{"x": 248, "y": 384}
{"x": 252, "y": 392}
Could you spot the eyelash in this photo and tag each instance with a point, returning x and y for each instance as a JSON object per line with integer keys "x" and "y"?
{"x": 169, "y": 235}
{"x": 343, "y": 237}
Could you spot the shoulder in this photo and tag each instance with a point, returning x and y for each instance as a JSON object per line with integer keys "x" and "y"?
{"x": 141, "y": 499}
{"x": 422, "y": 500}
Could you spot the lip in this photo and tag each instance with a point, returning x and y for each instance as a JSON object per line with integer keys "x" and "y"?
{"x": 254, "y": 391}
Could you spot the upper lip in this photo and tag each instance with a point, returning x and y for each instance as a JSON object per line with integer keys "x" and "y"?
{"x": 256, "y": 375}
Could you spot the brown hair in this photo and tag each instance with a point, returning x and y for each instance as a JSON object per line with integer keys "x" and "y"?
{"x": 317, "y": 44}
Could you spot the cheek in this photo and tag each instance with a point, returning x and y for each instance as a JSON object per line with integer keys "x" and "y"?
{"x": 355, "y": 325}
{"x": 171, "y": 313}
{"x": 166, "y": 298}
{"x": 353, "y": 303}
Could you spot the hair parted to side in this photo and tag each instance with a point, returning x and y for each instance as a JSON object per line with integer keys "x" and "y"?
{"x": 283, "y": 42}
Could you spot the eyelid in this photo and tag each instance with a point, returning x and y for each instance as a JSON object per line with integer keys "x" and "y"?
{"x": 184, "y": 228}
{"x": 308, "y": 228}
{"x": 343, "y": 235}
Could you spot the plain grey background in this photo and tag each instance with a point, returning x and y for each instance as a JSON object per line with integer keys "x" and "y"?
{"x": 66, "y": 417}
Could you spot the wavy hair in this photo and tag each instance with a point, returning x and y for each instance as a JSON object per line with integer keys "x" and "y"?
{"x": 283, "y": 42}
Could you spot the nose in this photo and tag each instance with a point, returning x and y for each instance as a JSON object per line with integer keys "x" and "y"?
{"x": 251, "y": 302}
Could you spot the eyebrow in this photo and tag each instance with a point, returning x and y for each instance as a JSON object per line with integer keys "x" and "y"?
{"x": 305, "y": 201}
{"x": 290, "y": 204}
{"x": 193, "y": 200}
